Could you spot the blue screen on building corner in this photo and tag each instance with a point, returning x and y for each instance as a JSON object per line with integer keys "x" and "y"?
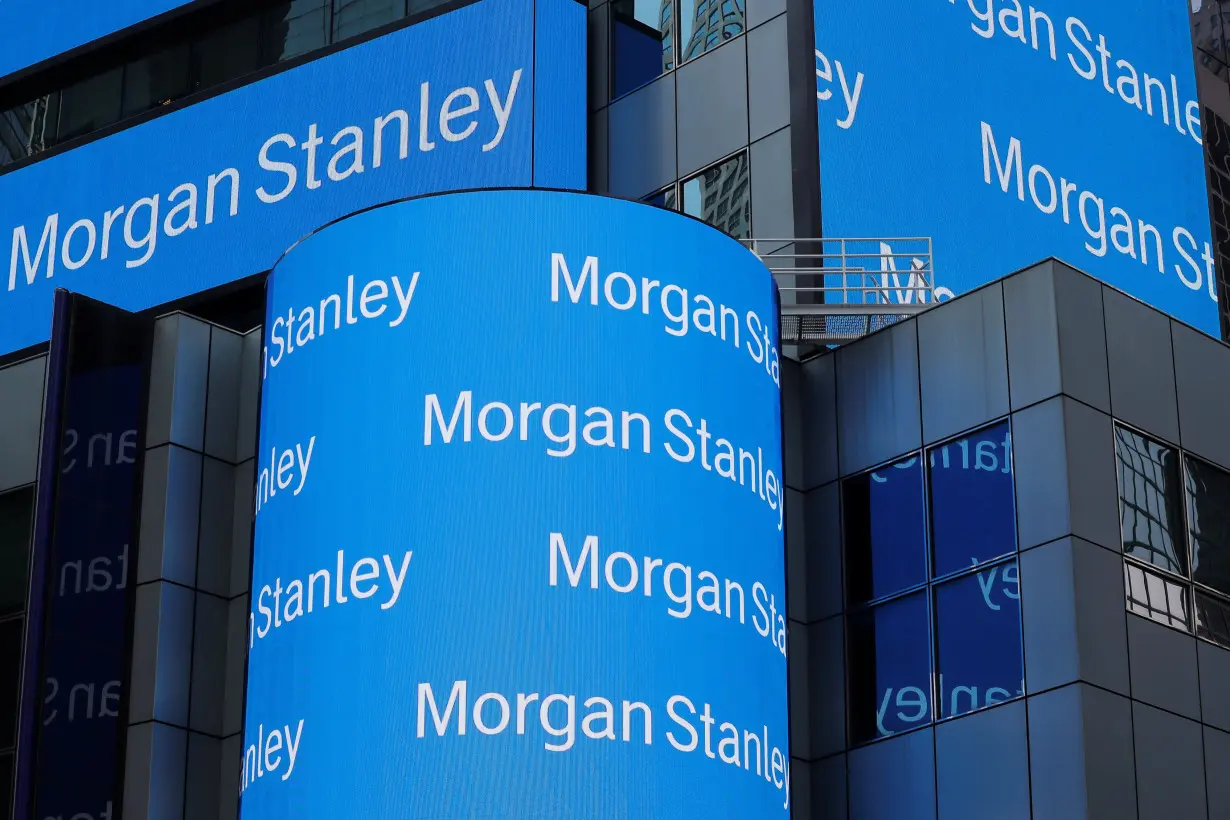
{"x": 1011, "y": 132}
{"x": 519, "y": 533}
{"x": 489, "y": 95}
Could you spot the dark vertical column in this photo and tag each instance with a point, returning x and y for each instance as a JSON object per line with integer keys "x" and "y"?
{"x": 78, "y": 642}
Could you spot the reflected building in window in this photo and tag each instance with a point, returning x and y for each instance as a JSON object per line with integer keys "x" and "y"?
{"x": 707, "y": 24}
{"x": 1149, "y": 490}
{"x": 1156, "y": 597}
{"x": 1210, "y": 26}
{"x": 28, "y": 129}
{"x": 642, "y": 43}
{"x": 721, "y": 196}
{"x": 1176, "y": 537}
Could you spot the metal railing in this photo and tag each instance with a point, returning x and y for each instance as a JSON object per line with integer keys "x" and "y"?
{"x": 836, "y": 290}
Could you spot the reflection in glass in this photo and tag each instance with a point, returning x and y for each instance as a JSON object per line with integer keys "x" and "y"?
{"x": 353, "y": 17}
{"x": 294, "y": 28}
{"x": 972, "y": 506}
{"x": 90, "y": 104}
{"x": 1213, "y": 619}
{"x": 1210, "y": 27}
{"x": 885, "y": 531}
{"x": 228, "y": 54}
{"x": 89, "y": 549}
{"x": 720, "y": 196}
{"x": 29, "y": 129}
{"x": 978, "y": 639}
{"x": 156, "y": 80}
{"x": 889, "y": 668}
{"x": 1208, "y": 521}
{"x": 643, "y": 42}
{"x": 16, "y": 528}
{"x": 1149, "y": 502}
{"x": 706, "y": 24}
{"x": 663, "y": 199}
{"x": 1155, "y": 597}
{"x": 10, "y": 664}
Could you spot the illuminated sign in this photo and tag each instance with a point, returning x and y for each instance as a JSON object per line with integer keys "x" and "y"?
{"x": 1009, "y": 133}
{"x": 216, "y": 191}
{"x": 519, "y": 533}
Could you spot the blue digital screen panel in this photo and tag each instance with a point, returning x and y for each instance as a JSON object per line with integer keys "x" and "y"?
{"x": 37, "y": 30}
{"x": 1009, "y": 133}
{"x": 217, "y": 191}
{"x": 519, "y": 533}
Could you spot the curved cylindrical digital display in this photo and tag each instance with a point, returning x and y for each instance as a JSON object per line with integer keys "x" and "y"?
{"x": 519, "y": 535}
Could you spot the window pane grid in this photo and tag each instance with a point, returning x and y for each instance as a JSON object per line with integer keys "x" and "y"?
{"x": 1149, "y": 506}
{"x": 1176, "y": 537}
{"x": 975, "y": 649}
{"x": 1156, "y": 597}
{"x": 650, "y": 38}
{"x": 719, "y": 195}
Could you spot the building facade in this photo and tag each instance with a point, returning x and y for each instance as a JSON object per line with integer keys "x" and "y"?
{"x": 1030, "y": 623}
{"x": 1004, "y": 520}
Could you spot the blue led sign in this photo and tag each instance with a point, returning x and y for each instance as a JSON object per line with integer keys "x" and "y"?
{"x": 519, "y": 544}
{"x": 1008, "y": 133}
{"x": 216, "y": 191}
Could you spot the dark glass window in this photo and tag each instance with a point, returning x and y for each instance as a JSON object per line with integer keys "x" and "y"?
{"x": 1208, "y": 520}
{"x": 353, "y": 17}
{"x": 972, "y": 506}
{"x": 720, "y": 186}
{"x": 10, "y": 666}
{"x": 978, "y": 639}
{"x": 1149, "y": 501}
{"x": 663, "y": 199}
{"x": 228, "y": 54}
{"x": 91, "y": 104}
{"x": 156, "y": 80}
{"x": 890, "y": 668}
{"x": 295, "y": 28}
{"x": 1213, "y": 619}
{"x": 705, "y": 24}
{"x": 417, "y": 6}
{"x": 6, "y": 783}
{"x": 16, "y": 520}
{"x": 29, "y": 129}
{"x": 1156, "y": 597}
{"x": 1209, "y": 31}
{"x": 643, "y": 42}
{"x": 885, "y": 531}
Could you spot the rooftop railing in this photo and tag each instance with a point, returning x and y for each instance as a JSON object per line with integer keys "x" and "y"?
{"x": 837, "y": 290}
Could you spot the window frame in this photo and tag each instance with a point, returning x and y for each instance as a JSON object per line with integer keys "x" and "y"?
{"x": 1192, "y": 590}
{"x": 678, "y": 48}
{"x": 929, "y": 586}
